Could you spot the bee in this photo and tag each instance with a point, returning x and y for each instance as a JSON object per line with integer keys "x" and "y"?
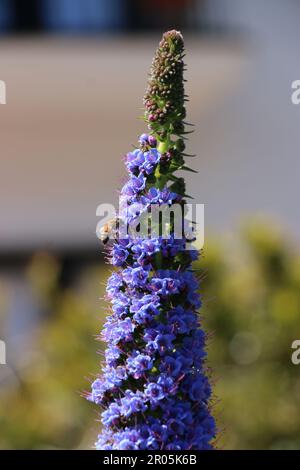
{"x": 108, "y": 231}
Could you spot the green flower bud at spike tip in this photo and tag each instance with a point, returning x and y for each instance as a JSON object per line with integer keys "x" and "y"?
{"x": 164, "y": 98}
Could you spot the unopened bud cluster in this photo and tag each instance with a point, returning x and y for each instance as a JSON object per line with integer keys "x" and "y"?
{"x": 164, "y": 99}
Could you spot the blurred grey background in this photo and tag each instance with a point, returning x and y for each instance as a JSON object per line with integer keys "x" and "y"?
{"x": 73, "y": 103}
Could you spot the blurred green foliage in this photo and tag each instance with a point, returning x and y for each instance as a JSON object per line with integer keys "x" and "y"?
{"x": 43, "y": 407}
{"x": 251, "y": 300}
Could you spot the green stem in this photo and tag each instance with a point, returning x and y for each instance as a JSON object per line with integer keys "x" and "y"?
{"x": 163, "y": 147}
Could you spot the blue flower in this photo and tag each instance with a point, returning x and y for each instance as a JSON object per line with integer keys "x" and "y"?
{"x": 165, "y": 286}
{"x": 152, "y": 158}
{"x": 118, "y": 330}
{"x": 152, "y": 140}
{"x": 119, "y": 255}
{"x": 132, "y": 403}
{"x": 134, "y": 160}
{"x": 111, "y": 415}
{"x": 171, "y": 366}
{"x": 135, "y": 185}
{"x": 135, "y": 276}
{"x": 153, "y": 389}
{"x": 143, "y": 139}
{"x": 138, "y": 364}
{"x": 154, "y": 392}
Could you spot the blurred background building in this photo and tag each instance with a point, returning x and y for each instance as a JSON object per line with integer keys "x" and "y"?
{"x": 75, "y": 72}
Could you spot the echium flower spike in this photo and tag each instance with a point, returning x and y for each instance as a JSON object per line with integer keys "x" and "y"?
{"x": 154, "y": 389}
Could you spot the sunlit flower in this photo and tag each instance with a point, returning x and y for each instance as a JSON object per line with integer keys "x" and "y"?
{"x": 153, "y": 388}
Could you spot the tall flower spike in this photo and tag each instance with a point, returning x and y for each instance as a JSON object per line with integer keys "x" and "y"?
{"x": 154, "y": 388}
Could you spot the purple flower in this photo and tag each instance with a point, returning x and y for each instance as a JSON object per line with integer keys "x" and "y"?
{"x": 134, "y": 160}
{"x": 111, "y": 415}
{"x": 114, "y": 376}
{"x": 138, "y": 364}
{"x": 114, "y": 284}
{"x": 152, "y": 141}
{"x": 164, "y": 343}
{"x": 126, "y": 444}
{"x": 112, "y": 354}
{"x": 98, "y": 390}
{"x": 144, "y": 139}
{"x": 132, "y": 403}
{"x": 153, "y": 388}
{"x": 135, "y": 185}
{"x": 152, "y": 157}
{"x": 171, "y": 366}
{"x": 135, "y": 276}
{"x": 116, "y": 331}
{"x": 119, "y": 255}
{"x": 165, "y": 286}
{"x": 154, "y": 392}
{"x": 134, "y": 211}
{"x": 146, "y": 314}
